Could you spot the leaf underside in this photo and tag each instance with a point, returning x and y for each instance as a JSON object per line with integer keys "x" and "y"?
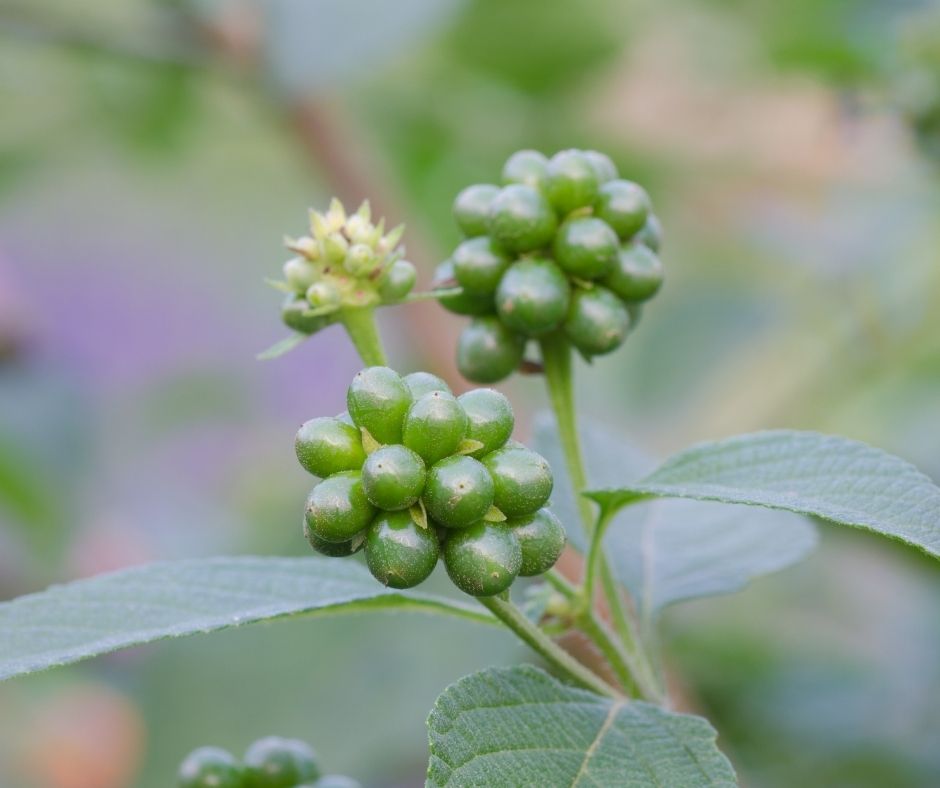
{"x": 666, "y": 551}
{"x": 71, "y": 622}
{"x": 519, "y": 726}
{"x": 840, "y": 480}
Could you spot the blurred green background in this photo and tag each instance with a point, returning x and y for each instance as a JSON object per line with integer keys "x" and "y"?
{"x": 152, "y": 155}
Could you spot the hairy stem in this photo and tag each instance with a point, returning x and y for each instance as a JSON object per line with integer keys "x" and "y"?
{"x": 360, "y": 325}
{"x": 550, "y": 651}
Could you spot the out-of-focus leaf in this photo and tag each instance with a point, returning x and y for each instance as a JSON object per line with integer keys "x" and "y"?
{"x": 519, "y": 726}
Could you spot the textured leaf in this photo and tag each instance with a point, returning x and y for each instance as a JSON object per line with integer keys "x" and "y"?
{"x": 71, "y": 622}
{"x": 837, "y": 479}
{"x": 666, "y": 551}
{"x": 519, "y": 726}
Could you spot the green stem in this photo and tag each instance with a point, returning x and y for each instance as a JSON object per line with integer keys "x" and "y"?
{"x": 595, "y": 555}
{"x": 433, "y": 295}
{"x": 551, "y": 652}
{"x": 360, "y": 325}
{"x": 556, "y": 361}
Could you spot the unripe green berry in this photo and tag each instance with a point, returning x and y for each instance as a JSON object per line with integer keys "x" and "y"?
{"x": 597, "y": 321}
{"x": 210, "y": 767}
{"x": 293, "y": 313}
{"x": 397, "y": 281}
{"x": 638, "y": 274}
{"x": 274, "y": 762}
{"x": 479, "y": 265}
{"x": 650, "y": 234}
{"x": 542, "y": 538}
{"x": 472, "y": 207}
{"x": 335, "y": 248}
{"x": 377, "y": 400}
{"x": 525, "y": 166}
{"x": 399, "y": 552}
{"x": 337, "y": 508}
{"x": 421, "y": 383}
{"x": 490, "y": 416}
{"x": 323, "y": 293}
{"x": 532, "y": 297}
{"x": 603, "y": 166}
{"x": 300, "y": 274}
{"x": 458, "y": 491}
{"x": 624, "y": 205}
{"x": 522, "y": 480}
{"x": 463, "y": 303}
{"x": 521, "y": 219}
{"x": 393, "y": 477}
{"x": 586, "y": 247}
{"x": 333, "y": 549}
{"x": 360, "y": 260}
{"x": 488, "y": 351}
{"x": 434, "y": 426}
{"x": 326, "y": 446}
{"x": 484, "y": 559}
{"x": 571, "y": 181}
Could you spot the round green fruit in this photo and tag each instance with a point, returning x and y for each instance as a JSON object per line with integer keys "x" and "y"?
{"x": 604, "y": 167}
{"x": 210, "y": 767}
{"x": 463, "y": 303}
{"x": 532, "y": 297}
{"x": 274, "y": 762}
{"x": 521, "y": 219}
{"x": 333, "y": 549}
{"x": 293, "y": 313}
{"x": 597, "y": 321}
{"x": 650, "y": 234}
{"x": 586, "y": 247}
{"x": 420, "y": 383}
{"x": 337, "y": 508}
{"x": 490, "y": 419}
{"x": 393, "y": 477}
{"x": 484, "y": 559}
{"x": 624, "y": 205}
{"x": 397, "y": 281}
{"x": 488, "y": 351}
{"x": 434, "y": 426}
{"x": 542, "y": 538}
{"x": 326, "y": 446}
{"x": 638, "y": 274}
{"x": 522, "y": 480}
{"x": 399, "y": 552}
{"x": 571, "y": 181}
{"x": 377, "y": 400}
{"x": 472, "y": 208}
{"x": 479, "y": 265}
{"x": 525, "y": 166}
{"x": 458, "y": 491}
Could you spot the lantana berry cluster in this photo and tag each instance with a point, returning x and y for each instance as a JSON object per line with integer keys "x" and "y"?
{"x": 410, "y": 473}
{"x": 564, "y": 244}
{"x": 271, "y": 762}
{"x": 346, "y": 262}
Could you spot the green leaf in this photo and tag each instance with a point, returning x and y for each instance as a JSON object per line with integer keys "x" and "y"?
{"x": 71, "y": 622}
{"x": 837, "y": 479}
{"x": 519, "y": 726}
{"x": 283, "y": 346}
{"x": 667, "y": 551}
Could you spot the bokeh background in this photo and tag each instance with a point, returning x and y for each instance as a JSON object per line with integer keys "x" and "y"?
{"x": 152, "y": 156}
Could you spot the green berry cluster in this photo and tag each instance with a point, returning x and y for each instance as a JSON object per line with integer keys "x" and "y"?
{"x": 271, "y": 762}
{"x": 346, "y": 262}
{"x": 411, "y": 473}
{"x": 564, "y": 244}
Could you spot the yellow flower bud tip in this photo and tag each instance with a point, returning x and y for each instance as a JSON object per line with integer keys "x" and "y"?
{"x": 336, "y": 215}
{"x": 365, "y": 211}
{"x": 318, "y": 224}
